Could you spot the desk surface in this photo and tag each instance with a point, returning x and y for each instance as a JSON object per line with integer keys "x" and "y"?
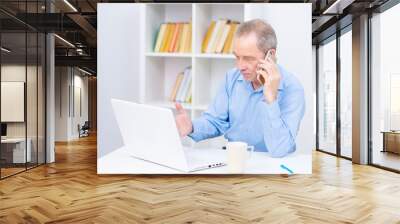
{"x": 121, "y": 162}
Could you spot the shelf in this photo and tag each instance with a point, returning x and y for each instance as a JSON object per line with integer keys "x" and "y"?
{"x": 189, "y": 55}
{"x": 171, "y": 55}
{"x": 217, "y": 56}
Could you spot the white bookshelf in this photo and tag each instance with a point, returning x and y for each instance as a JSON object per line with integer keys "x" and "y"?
{"x": 208, "y": 70}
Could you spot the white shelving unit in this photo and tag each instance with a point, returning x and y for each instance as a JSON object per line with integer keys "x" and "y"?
{"x": 208, "y": 70}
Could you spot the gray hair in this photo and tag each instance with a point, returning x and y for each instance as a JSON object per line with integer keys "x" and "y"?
{"x": 266, "y": 37}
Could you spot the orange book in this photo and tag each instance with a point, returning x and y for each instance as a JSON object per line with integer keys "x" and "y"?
{"x": 174, "y": 38}
{"x": 165, "y": 37}
{"x": 206, "y": 39}
{"x": 178, "y": 39}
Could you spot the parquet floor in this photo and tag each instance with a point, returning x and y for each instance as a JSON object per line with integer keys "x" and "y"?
{"x": 10, "y": 171}
{"x": 70, "y": 191}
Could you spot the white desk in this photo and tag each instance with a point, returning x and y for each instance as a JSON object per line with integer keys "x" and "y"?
{"x": 121, "y": 162}
{"x": 19, "y": 149}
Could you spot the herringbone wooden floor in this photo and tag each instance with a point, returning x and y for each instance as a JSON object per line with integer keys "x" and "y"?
{"x": 70, "y": 191}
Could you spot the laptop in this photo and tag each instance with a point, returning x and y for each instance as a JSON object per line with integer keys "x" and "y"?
{"x": 150, "y": 133}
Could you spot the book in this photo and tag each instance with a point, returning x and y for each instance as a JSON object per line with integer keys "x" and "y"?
{"x": 229, "y": 39}
{"x": 189, "y": 93}
{"x": 188, "y": 44}
{"x": 229, "y": 42}
{"x": 165, "y": 37}
{"x": 176, "y": 86}
{"x": 155, "y": 36}
{"x": 185, "y": 87}
{"x": 179, "y": 91}
{"x": 160, "y": 37}
{"x": 184, "y": 37}
{"x": 224, "y": 36}
{"x": 186, "y": 74}
{"x": 178, "y": 40}
{"x": 174, "y": 37}
{"x": 214, "y": 37}
{"x": 218, "y": 38}
{"x": 170, "y": 36}
{"x": 207, "y": 37}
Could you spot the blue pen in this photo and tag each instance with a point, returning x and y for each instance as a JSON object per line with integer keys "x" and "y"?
{"x": 286, "y": 168}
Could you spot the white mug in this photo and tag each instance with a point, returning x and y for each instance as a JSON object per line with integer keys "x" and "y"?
{"x": 238, "y": 154}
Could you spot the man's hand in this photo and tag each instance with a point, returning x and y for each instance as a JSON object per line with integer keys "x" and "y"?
{"x": 183, "y": 121}
{"x": 270, "y": 72}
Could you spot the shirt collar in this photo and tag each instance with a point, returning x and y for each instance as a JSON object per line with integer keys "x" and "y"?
{"x": 240, "y": 78}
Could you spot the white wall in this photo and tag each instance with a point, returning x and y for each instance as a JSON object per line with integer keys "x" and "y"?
{"x": 118, "y": 60}
{"x": 66, "y": 81}
{"x": 61, "y": 103}
{"x": 80, "y": 82}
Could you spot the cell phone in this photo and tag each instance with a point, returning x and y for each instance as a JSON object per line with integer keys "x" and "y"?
{"x": 260, "y": 78}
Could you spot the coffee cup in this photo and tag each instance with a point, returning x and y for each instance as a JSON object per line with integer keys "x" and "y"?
{"x": 238, "y": 153}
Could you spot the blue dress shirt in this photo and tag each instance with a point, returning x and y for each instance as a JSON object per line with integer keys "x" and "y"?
{"x": 241, "y": 113}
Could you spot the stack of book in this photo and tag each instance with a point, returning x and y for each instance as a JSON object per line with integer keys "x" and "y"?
{"x": 182, "y": 89}
{"x": 219, "y": 37}
{"x": 174, "y": 38}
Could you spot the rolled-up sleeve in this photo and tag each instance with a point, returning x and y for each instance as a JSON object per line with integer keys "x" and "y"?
{"x": 281, "y": 122}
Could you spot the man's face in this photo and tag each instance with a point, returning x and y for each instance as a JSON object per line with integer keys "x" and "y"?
{"x": 247, "y": 55}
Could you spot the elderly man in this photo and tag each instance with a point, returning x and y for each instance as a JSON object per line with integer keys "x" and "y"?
{"x": 263, "y": 112}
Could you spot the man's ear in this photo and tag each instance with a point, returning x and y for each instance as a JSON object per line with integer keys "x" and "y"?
{"x": 273, "y": 55}
{"x": 273, "y": 52}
